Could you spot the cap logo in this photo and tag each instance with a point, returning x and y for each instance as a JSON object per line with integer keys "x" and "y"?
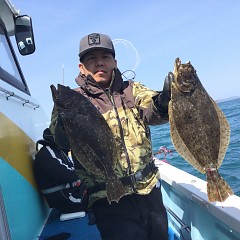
{"x": 94, "y": 39}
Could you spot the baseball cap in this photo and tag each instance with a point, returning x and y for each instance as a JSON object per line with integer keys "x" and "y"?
{"x": 95, "y": 41}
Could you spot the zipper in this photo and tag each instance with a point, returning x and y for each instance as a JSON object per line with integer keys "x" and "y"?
{"x": 111, "y": 98}
{"x": 122, "y": 137}
{"x": 121, "y": 133}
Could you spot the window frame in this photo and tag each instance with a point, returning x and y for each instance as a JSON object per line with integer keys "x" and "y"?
{"x": 6, "y": 76}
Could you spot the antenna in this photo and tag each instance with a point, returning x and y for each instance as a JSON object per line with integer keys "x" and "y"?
{"x": 63, "y": 74}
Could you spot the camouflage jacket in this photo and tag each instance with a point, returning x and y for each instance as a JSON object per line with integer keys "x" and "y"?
{"x": 128, "y": 108}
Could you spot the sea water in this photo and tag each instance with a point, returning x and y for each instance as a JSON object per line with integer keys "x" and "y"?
{"x": 230, "y": 168}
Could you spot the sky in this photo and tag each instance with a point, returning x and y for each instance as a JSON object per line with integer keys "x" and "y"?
{"x": 148, "y": 35}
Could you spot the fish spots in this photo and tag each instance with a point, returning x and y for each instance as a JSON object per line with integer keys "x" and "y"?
{"x": 199, "y": 130}
{"x": 91, "y": 139}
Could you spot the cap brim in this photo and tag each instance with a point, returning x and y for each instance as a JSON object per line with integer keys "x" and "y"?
{"x": 82, "y": 54}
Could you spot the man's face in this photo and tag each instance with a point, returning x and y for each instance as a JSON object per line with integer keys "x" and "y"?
{"x": 99, "y": 64}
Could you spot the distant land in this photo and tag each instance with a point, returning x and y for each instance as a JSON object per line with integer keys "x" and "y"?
{"x": 227, "y": 99}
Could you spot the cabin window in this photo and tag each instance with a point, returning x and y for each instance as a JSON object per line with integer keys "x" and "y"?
{"x": 9, "y": 70}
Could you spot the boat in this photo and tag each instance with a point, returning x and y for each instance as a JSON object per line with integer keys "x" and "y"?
{"x": 24, "y": 213}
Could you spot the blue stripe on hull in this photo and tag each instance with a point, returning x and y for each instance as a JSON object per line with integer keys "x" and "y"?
{"x": 26, "y": 210}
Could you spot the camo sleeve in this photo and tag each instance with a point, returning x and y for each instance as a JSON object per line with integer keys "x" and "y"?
{"x": 144, "y": 101}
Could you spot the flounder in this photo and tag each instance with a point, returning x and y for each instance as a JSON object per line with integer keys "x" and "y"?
{"x": 90, "y": 137}
{"x": 199, "y": 130}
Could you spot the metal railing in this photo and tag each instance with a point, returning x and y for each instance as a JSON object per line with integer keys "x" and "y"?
{"x": 24, "y": 100}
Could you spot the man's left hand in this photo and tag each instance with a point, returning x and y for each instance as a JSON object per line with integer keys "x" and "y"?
{"x": 164, "y": 97}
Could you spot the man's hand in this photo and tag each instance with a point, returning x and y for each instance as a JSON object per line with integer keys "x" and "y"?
{"x": 162, "y": 100}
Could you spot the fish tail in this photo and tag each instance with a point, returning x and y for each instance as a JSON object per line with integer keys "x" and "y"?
{"x": 217, "y": 187}
{"x": 115, "y": 190}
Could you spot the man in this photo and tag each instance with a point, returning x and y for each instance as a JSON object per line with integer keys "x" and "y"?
{"x": 128, "y": 107}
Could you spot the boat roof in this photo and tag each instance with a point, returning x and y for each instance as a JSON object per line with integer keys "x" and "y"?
{"x": 7, "y": 14}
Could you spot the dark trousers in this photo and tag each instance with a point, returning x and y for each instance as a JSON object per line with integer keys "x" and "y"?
{"x": 141, "y": 217}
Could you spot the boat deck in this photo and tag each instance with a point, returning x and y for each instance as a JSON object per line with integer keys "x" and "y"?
{"x": 75, "y": 229}
{"x": 70, "y": 229}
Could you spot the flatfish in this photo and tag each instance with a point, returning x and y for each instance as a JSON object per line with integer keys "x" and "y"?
{"x": 199, "y": 130}
{"x": 90, "y": 137}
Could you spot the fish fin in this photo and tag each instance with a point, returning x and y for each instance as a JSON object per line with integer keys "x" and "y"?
{"x": 224, "y": 133}
{"x": 217, "y": 187}
{"x": 115, "y": 190}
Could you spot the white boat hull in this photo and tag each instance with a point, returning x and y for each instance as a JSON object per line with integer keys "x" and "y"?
{"x": 195, "y": 217}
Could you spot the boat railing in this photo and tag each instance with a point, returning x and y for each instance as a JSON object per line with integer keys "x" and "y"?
{"x": 24, "y": 100}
